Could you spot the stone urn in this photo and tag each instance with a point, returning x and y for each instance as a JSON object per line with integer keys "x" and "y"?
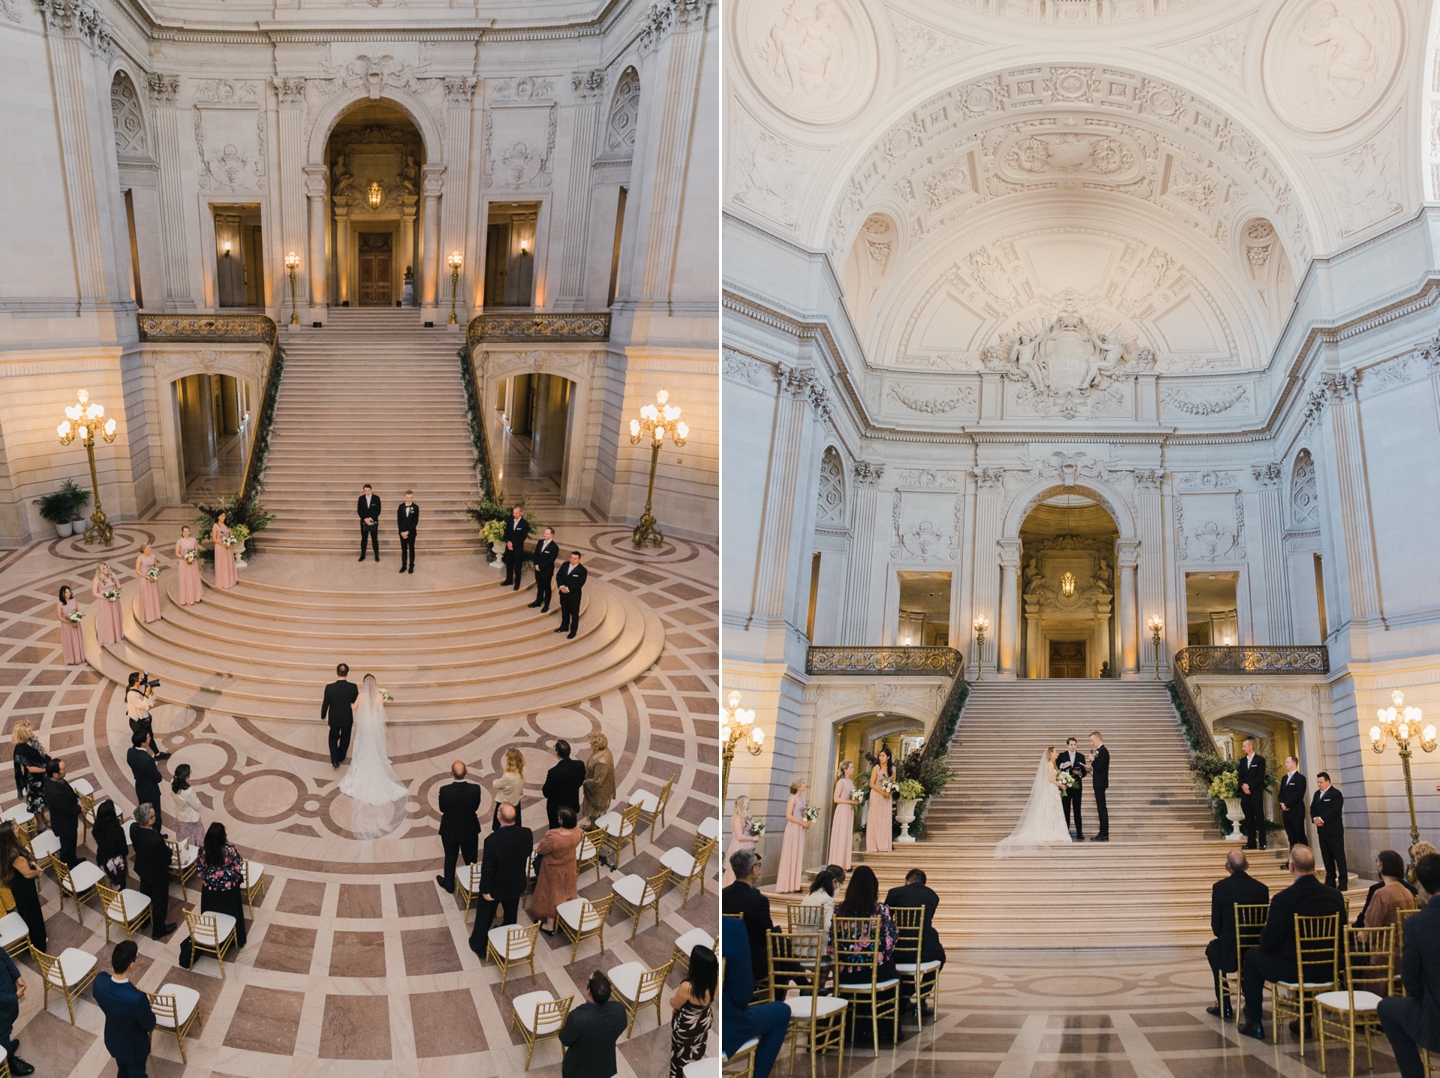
{"x": 499, "y": 548}
{"x": 240, "y": 562}
{"x": 1232, "y": 810}
{"x": 905, "y": 813}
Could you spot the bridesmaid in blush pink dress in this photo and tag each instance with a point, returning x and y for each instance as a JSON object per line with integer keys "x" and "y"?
{"x": 109, "y": 618}
{"x": 72, "y": 640}
{"x": 191, "y": 589}
{"x": 149, "y": 607}
{"x": 842, "y": 827}
{"x": 792, "y": 847}
{"x": 225, "y": 576}
{"x": 740, "y": 836}
{"x": 882, "y": 809}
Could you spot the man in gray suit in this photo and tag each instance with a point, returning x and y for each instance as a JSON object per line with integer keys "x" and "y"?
{"x": 1412, "y": 1021}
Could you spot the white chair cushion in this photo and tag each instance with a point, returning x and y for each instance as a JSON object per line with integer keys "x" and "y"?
{"x": 678, "y": 861}
{"x": 18, "y": 814}
{"x": 224, "y": 925}
{"x": 753, "y": 1042}
{"x": 909, "y": 967}
{"x": 82, "y": 786}
{"x": 254, "y": 873}
{"x": 75, "y": 965}
{"x": 13, "y": 929}
{"x": 1308, "y": 984}
{"x": 188, "y": 856}
{"x": 46, "y": 844}
{"x": 704, "y": 1068}
{"x": 1340, "y": 1001}
{"x": 526, "y": 1005}
{"x": 631, "y": 888}
{"x": 127, "y": 825}
{"x": 469, "y": 877}
{"x": 186, "y": 1000}
{"x": 710, "y": 828}
{"x": 86, "y": 875}
{"x": 647, "y": 801}
{"x": 626, "y": 979}
{"x": 825, "y": 1006}
{"x": 696, "y": 937}
{"x": 500, "y": 937}
{"x": 133, "y": 903}
{"x": 570, "y": 912}
{"x": 585, "y": 850}
{"x": 879, "y": 987}
{"x": 614, "y": 824}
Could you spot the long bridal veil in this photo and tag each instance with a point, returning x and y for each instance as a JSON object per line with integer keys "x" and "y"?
{"x": 370, "y": 779}
{"x": 1042, "y": 823}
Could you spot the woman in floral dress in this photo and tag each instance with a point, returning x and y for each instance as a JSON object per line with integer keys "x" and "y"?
{"x": 690, "y": 1024}
{"x": 222, "y": 874}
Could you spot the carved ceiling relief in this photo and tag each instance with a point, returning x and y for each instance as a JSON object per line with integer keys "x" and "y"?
{"x": 1210, "y": 527}
{"x": 920, "y": 46}
{"x": 1365, "y": 183}
{"x": 1328, "y": 61}
{"x": 927, "y": 526}
{"x": 767, "y": 172}
{"x": 814, "y": 59}
{"x": 374, "y": 75}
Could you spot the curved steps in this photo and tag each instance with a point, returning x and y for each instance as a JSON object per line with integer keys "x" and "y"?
{"x": 266, "y": 650}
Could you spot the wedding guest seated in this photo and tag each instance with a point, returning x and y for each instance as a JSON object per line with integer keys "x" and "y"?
{"x": 740, "y": 1020}
{"x": 822, "y": 893}
{"x": 838, "y": 873}
{"x": 591, "y": 1032}
{"x": 691, "y": 1006}
{"x": 1386, "y": 899}
{"x": 1389, "y": 868}
{"x": 914, "y": 893}
{"x": 744, "y": 897}
{"x": 110, "y": 845}
{"x": 1412, "y": 1021}
{"x": 555, "y": 874}
{"x": 1273, "y": 958}
{"x": 1237, "y": 886}
{"x": 862, "y": 899}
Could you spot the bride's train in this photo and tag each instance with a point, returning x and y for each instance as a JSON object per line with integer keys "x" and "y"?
{"x": 1042, "y": 823}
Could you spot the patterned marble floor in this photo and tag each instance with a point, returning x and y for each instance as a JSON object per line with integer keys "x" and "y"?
{"x": 1097, "y": 1014}
{"x": 357, "y": 964}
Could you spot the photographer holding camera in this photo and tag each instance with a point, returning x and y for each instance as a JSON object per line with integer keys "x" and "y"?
{"x": 139, "y": 699}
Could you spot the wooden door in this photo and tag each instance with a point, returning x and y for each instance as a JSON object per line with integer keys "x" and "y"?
{"x": 1067, "y": 658}
{"x": 375, "y": 258}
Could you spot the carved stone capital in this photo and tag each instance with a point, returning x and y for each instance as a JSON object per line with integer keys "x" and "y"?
{"x": 795, "y": 381}
{"x": 868, "y": 472}
{"x": 1148, "y": 478}
{"x": 291, "y": 91}
{"x": 433, "y": 182}
{"x": 1009, "y": 554}
{"x": 589, "y": 86}
{"x": 1127, "y": 553}
{"x": 1340, "y": 387}
{"x": 1268, "y": 475}
{"x": 163, "y": 88}
{"x": 81, "y": 19}
{"x": 990, "y": 478}
{"x": 460, "y": 89}
{"x": 317, "y": 180}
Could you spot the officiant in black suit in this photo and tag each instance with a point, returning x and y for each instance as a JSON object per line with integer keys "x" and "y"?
{"x": 1100, "y": 783}
{"x": 459, "y": 823}
{"x": 1073, "y": 761}
{"x": 517, "y": 530}
{"x": 338, "y": 709}
{"x": 571, "y": 582}
{"x": 407, "y": 520}
{"x": 1252, "y": 795}
{"x": 1291, "y": 797}
{"x": 1327, "y": 812}
{"x": 546, "y": 551}
{"x": 367, "y": 508}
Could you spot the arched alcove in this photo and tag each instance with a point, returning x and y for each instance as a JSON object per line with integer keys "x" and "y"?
{"x": 1268, "y": 270}
{"x": 1304, "y": 493}
{"x": 624, "y": 114}
{"x": 830, "y": 507}
{"x": 867, "y": 269}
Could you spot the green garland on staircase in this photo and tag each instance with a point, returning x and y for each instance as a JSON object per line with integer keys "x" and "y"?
{"x": 260, "y": 448}
{"x": 485, "y": 475}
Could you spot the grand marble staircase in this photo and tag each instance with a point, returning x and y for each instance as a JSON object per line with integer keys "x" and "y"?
{"x": 1149, "y": 886}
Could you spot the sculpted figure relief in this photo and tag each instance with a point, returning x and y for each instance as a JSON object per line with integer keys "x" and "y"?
{"x": 1067, "y": 355}
{"x": 1345, "y": 60}
{"x": 804, "y": 50}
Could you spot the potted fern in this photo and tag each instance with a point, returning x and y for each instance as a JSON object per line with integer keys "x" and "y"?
{"x": 79, "y": 498}
{"x": 55, "y": 509}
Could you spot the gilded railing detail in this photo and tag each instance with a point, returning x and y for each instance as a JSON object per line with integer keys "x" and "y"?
{"x": 944, "y": 662}
{"x": 1238, "y": 660}
{"x": 545, "y": 328}
{"x": 238, "y": 328}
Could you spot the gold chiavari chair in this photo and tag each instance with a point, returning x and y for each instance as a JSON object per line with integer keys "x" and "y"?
{"x": 177, "y": 1008}
{"x": 126, "y": 909}
{"x": 539, "y": 1017}
{"x": 1369, "y": 968}
{"x": 639, "y": 987}
{"x": 580, "y": 919}
{"x": 689, "y": 868}
{"x": 619, "y": 828}
{"x": 1401, "y": 916}
{"x": 924, "y": 976}
{"x": 78, "y": 883}
{"x": 69, "y": 973}
{"x": 510, "y": 945}
{"x": 587, "y": 854}
{"x": 467, "y": 886}
{"x": 1249, "y": 923}
{"x": 212, "y": 932}
{"x": 857, "y": 973}
{"x": 799, "y": 958}
{"x": 636, "y": 894}
{"x": 652, "y": 806}
{"x": 1317, "y": 962}
{"x": 696, "y": 937}
{"x": 802, "y": 918}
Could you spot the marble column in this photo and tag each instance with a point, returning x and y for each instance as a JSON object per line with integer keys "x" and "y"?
{"x": 429, "y": 269}
{"x": 293, "y": 227}
{"x": 860, "y": 573}
{"x": 344, "y": 260}
{"x": 459, "y": 100}
{"x": 176, "y": 245}
{"x": 316, "y": 185}
{"x": 1128, "y": 557}
{"x": 1007, "y": 631}
{"x": 1150, "y": 595}
{"x": 589, "y": 88}
{"x": 989, "y": 499}
{"x": 407, "y": 237}
{"x": 1271, "y": 478}
{"x": 1357, "y": 527}
{"x": 1032, "y": 639}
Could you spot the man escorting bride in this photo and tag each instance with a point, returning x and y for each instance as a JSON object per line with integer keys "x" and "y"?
{"x": 1043, "y": 822}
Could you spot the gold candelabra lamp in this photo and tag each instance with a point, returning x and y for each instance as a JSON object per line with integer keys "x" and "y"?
{"x": 1403, "y": 724}
{"x": 655, "y": 420}
{"x": 84, "y": 421}
{"x": 456, "y": 260}
{"x": 1155, "y": 625}
{"x": 981, "y": 626}
{"x": 292, "y": 263}
{"x": 737, "y": 726}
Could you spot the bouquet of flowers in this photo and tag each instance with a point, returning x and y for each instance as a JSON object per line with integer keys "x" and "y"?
{"x": 811, "y": 814}
{"x": 385, "y": 696}
{"x": 152, "y": 573}
{"x": 757, "y": 827}
{"x": 890, "y": 786}
{"x": 113, "y": 594}
{"x": 190, "y": 556}
{"x": 1066, "y": 780}
{"x": 859, "y": 796}
{"x": 1225, "y": 785}
{"x": 228, "y": 540}
{"x": 74, "y": 619}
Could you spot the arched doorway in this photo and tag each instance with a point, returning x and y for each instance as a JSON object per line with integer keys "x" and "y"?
{"x": 1067, "y": 583}
{"x": 374, "y": 156}
{"x": 857, "y": 740}
{"x": 213, "y": 414}
{"x": 1276, "y": 737}
{"x": 535, "y": 414}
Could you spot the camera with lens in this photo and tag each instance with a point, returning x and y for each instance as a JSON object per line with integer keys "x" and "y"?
{"x": 147, "y": 684}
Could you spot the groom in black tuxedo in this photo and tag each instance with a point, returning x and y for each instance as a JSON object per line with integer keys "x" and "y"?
{"x": 1073, "y": 761}
{"x": 338, "y": 709}
{"x": 407, "y": 520}
{"x": 367, "y": 508}
{"x": 1100, "y": 783}
{"x": 571, "y": 582}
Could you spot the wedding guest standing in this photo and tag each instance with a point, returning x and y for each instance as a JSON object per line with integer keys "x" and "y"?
{"x": 792, "y": 846}
{"x": 546, "y": 551}
{"x": 555, "y": 876}
{"x": 111, "y": 848}
{"x": 1291, "y": 797}
{"x": 691, "y": 1020}
{"x": 571, "y": 582}
{"x": 30, "y": 760}
{"x": 152, "y": 865}
{"x": 407, "y": 523}
{"x": 21, "y": 876}
{"x": 842, "y": 825}
{"x": 129, "y": 1018}
{"x": 1327, "y": 813}
{"x": 502, "y": 877}
{"x": 187, "y": 557}
{"x": 1412, "y": 1021}
{"x": 740, "y": 836}
{"x": 109, "y": 619}
{"x": 563, "y": 784}
{"x": 147, "y": 775}
{"x": 881, "y": 811}
{"x": 149, "y": 589}
{"x": 599, "y": 777}
{"x": 591, "y": 1032}
{"x": 72, "y": 640}
{"x": 1100, "y": 784}
{"x": 225, "y": 576}
{"x": 517, "y": 530}
{"x": 187, "y": 808}
{"x": 64, "y": 805}
{"x": 221, "y": 870}
{"x": 139, "y": 702}
{"x": 510, "y": 786}
{"x": 12, "y": 988}
{"x": 459, "y": 823}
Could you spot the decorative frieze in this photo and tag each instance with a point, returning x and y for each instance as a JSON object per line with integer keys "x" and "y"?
{"x": 918, "y": 401}
{"x": 862, "y": 661}
{"x": 1202, "y": 403}
{"x": 207, "y": 327}
{"x": 538, "y": 327}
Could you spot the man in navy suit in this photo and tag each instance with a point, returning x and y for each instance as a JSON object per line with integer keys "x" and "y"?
{"x": 129, "y": 1017}
{"x": 740, "y": 1020}
{"x": 1412, "y": 1021}
{"x": 12, "y": 988}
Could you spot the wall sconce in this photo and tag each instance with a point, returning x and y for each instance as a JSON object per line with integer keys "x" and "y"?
{"x": 522, "y": 247}
{"x": 1067, "y": 585}
{"x": 375, "y": 195}
{"x": 227, "y": 248}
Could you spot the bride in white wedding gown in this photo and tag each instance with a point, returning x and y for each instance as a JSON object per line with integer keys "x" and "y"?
{"x": 1042, "y": 823}
{"x": 370, "y": 779}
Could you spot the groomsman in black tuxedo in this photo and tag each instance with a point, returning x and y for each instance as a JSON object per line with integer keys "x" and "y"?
{"x": 1100, "y": 783}
{"x": 571, "y": 582}
{"x": 407, "y": 521}
{"x": 338, "y": 709}
{"x": 1292, "y": 803}
{"x": 517, "y": 530}
{"x": 1073, "y": 761}
{"x": 1326, "y": 810}
{"x": 1252, "y": 796}
{"x": 367, "y": 508}
{"x": 546, "y": 551}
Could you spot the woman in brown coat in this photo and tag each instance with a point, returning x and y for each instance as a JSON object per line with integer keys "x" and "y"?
{"x": 599, "y": 777}
{"x": 555, "y": 881}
